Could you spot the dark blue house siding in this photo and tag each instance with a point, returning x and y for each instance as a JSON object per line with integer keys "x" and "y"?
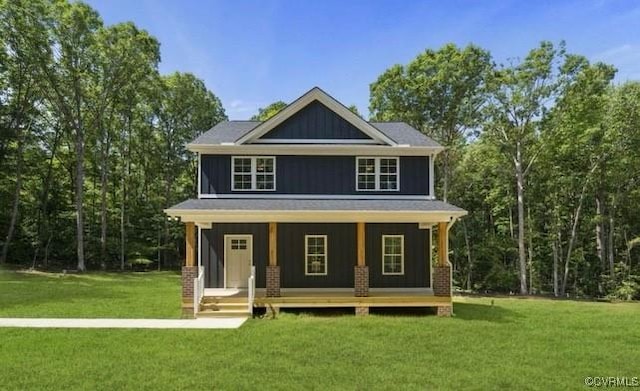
{"x": 341, "y": 248}
{"x": 341, "y": 255}
{"x": 315, "y": 175}
{"x": 417, "y": 245}
{"x": 212, "y": 243}
{"x": 315, "y": 121}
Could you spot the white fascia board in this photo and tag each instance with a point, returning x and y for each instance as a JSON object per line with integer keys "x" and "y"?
{"x": 297, "y": 216}
{"x": 310, "y": 149}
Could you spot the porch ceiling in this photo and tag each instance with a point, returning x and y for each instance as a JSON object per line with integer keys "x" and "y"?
{"x": 314, "y": 210}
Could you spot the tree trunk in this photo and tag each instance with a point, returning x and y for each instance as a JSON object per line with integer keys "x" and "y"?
{"x": 522, "y": 255}
{"x": 469, "y": 259}
{"x": 611, "y": 245}
{"x": 574, "y": 231}
{"x": 79, "y": 196}
{"x": 530, "y": 248}
{"x": 104, "y": 181}
{"x": 43, "y": 229}
{"x": 554, "y": 248}
{"x": 16, "y": 198}
{"x": 600, "y": 232}
{"x": 445, "y": 176}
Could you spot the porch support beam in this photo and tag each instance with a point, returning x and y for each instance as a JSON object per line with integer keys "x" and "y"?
{"x": 190, "y": 245}
{"x": 443, "y": 244}
{"x": 361, "y": 244}
{"x": 273, "y": 270}
{"x": 361, "y": 270}
{"x": 273, "y": 244}
{"x": 442, "y": 271}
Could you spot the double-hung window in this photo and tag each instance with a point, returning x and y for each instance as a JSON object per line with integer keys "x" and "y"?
{"x": 315, "y": 255}
{"x": 392, "y": 254}
{"x": 253, "y": 173}
{"x": 377, "y": 174}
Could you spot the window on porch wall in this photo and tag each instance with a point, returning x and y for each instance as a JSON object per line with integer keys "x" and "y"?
{"x": 393, "y": 254}
{"x": 315, "y": 255}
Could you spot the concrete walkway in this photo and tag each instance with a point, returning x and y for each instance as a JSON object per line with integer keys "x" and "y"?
{"x": 203, "y": 323}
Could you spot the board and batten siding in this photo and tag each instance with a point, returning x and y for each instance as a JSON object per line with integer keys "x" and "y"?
{"x": 315, "y": 121}
{"x": 417, "y": 248}
{"x": 341, "y": 259}
{"x": 315, "y": 175}
{"x": 341, "y": 255}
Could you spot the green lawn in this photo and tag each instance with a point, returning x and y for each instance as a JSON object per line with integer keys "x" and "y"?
{"x": 513, "y": 344}
{"x": 94, "y": 295}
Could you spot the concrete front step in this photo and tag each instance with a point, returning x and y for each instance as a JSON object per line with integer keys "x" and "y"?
{"x": 223, "y": 314}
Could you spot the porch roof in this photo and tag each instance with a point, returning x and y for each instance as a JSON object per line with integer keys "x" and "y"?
{"x": 315, "y": 210}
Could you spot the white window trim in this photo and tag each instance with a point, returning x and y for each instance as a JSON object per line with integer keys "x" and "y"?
{"x": 306, "y": 255}
{"x": 401, "y": 273}
{"x": 376, "y": 172}
{"x": 254, "y": 173}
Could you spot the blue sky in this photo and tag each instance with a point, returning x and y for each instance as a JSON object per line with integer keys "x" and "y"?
{"x": 251, "y": 53}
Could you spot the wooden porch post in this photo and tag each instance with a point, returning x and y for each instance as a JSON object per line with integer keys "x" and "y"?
{"x": 189, "y": 270}
{"x": 442, "y": 271}
{"x": 443, "y": 244}
{"x": 190, "y": 248}
{"x": 361, "y": 271}
{"x": 273, "y": 270}
{"x": 361, "y": 243}
{"x": 273, "y": 244}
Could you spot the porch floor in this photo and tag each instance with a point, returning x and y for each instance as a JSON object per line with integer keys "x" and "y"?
{"x": 303, "y": 298}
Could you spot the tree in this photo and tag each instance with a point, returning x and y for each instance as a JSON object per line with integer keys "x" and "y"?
{"x": 20, "y": 94}
{"x": 572, "y": 154}
{"x": 441, "y": 93}
{"x": 518, "y": 103}
{"x": 126, "y": 57}
{"x": 185, "y": 109}
{"x": 269, "y": 111}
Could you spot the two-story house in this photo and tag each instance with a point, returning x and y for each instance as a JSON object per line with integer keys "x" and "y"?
{"x": 315, "y": 207}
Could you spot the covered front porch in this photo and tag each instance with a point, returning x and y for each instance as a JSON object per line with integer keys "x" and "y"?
{"x": 356, "y": 278}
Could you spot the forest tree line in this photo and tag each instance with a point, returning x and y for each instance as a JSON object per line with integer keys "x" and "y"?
{"x": 92, "y": 141}
{"x": 543, "y": 152}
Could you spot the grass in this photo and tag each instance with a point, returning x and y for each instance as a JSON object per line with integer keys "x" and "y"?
{"x": 511, "y": 344}
{"x": 93, "y": 295}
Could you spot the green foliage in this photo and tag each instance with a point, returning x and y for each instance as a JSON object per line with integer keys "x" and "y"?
{"x": 269, "y": 111}
{"x": 552, "y": 131}
{"x": 96, "y": 105}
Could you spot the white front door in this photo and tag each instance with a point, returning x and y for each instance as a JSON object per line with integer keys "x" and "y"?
{"x": 238, "y": 259}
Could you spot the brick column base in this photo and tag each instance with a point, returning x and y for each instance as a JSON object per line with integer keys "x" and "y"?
{"x": 445, "y": 311}
{"x": 442, "y": 280}
{"x": 362, "y": 311}
{"x": 361, "y": 283}
{"x": 189, "y": 273}
{"x": 273, "y": 281}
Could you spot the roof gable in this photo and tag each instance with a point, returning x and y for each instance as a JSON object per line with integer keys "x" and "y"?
{"x": 306, "y": 106}
{"x": 312, "y": 122}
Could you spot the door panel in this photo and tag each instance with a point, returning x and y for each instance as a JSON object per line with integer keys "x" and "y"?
{"x": 238, "y": 260}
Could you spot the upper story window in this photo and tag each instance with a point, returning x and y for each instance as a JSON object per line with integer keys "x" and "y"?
{"x": 377, "y": 174}
{"x": 253, "y": 173}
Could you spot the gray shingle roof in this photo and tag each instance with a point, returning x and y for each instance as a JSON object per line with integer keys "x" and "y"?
{"x": 263, "y": 204}
{"x": 230, "y": 131}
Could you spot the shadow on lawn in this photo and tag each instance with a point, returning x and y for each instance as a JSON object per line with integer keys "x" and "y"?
{"x": 484, "y": 312}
